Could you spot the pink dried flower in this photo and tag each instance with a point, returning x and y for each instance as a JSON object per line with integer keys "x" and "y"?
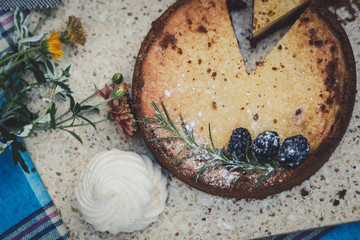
{"x": 119, "y": 108}
{"x": 105, "y": 93}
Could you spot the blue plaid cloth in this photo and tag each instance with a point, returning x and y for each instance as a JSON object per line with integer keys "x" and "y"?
{"x": 26, "y": 209}
{"x": 6, "y": 29}
{"x": 349, "y": 231}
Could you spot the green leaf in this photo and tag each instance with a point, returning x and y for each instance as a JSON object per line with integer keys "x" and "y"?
{"x": 67, "y": 70}
{"x": 208, "y": 165}
{"x": 14, "y": 112}
{"x": 35, "y": 69}
{"x": 87, "y": 120}
{"x": 63, "y": 86}
{"x": 39, "y": 75}
{"x": 159, "y": 127}
{"x": 184, "y": 126}
{"x": 52, "y": 112}
{"x": 185, "y": 157}
{"x": 72, "y": 101}
{"x": 211, "y": 140}
{"x": 50, "y": 65}
{"x": 166, "y": 138}
{"x": 86, "y": 107}
{"x": 262, "y": 177}
{"x": 73, "y": 134}
{"x": 178, "y": 154}
{"x": 236, "y": 180}
{"x": 16, "y": 147}
{"x": 76, "y": 109}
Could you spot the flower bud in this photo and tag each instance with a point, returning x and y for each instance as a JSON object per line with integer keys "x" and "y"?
{"x": 120, "y": 90}
{"x": 117, "y": 78}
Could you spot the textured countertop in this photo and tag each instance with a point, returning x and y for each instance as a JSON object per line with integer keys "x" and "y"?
{"x": 115, "y": 30}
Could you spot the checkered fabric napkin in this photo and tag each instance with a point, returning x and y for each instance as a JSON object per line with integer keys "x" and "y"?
{"x": 26, "y": 209}
{"x": 6, "y": 5}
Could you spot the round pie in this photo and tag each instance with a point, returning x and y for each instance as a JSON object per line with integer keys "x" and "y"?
{"x": 190, "y": 74}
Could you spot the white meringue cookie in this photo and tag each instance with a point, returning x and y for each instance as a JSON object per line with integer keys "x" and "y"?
{"x": 121, "y": 191}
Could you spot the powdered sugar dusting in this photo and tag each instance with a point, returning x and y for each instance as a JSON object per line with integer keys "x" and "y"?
{"x": 167, "y": 93}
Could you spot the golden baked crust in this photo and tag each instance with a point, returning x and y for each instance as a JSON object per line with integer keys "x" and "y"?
{"x": 190, "y": 61}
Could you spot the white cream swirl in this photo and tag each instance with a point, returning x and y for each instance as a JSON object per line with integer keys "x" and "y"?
{"x": 121, "y": 191}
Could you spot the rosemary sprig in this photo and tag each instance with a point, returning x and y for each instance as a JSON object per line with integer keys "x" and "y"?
{"x": 211, "y": 156}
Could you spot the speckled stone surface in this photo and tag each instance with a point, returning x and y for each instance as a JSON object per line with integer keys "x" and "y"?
{"x": 115, "y": 30}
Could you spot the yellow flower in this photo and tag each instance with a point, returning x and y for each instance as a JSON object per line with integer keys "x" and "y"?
{"x": 53, "y": 46}
{"x": 74, "y": 32}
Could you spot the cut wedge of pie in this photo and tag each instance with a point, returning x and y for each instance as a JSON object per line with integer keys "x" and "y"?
{"x": 190, "y": 64}
{"x": 270, "y": 14}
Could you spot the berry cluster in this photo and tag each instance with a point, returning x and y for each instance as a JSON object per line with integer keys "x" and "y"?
{"x": 293, "y": 151}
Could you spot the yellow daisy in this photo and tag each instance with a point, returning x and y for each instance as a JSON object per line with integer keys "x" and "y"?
{"x": 53, "y": 46}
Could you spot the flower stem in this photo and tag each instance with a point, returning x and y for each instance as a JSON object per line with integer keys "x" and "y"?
{"x": 84, "y": 124}
{"x": 83, "y": 101}
{"x": 97, "y": 105}
{"x": 82, "y": 112}
{"x": 70, "y": 126}
{"x": 89, "y": 97}
{"x": 16, "y": 64}
{"x": 39, "y": 56}
{"x": 92, "y": 95}
{"x": 6, "y": 59}
{"x": 38, "y": 24}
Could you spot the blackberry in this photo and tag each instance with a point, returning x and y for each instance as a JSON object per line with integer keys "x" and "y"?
{"x": 293, "y": 151}
{"x": 239, "y": 139}
{"x": 266, "y": 145}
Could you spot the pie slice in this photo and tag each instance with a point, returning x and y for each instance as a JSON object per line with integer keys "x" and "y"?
{"x": 270, "y": 14}
{"x": 191, "y": 64}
